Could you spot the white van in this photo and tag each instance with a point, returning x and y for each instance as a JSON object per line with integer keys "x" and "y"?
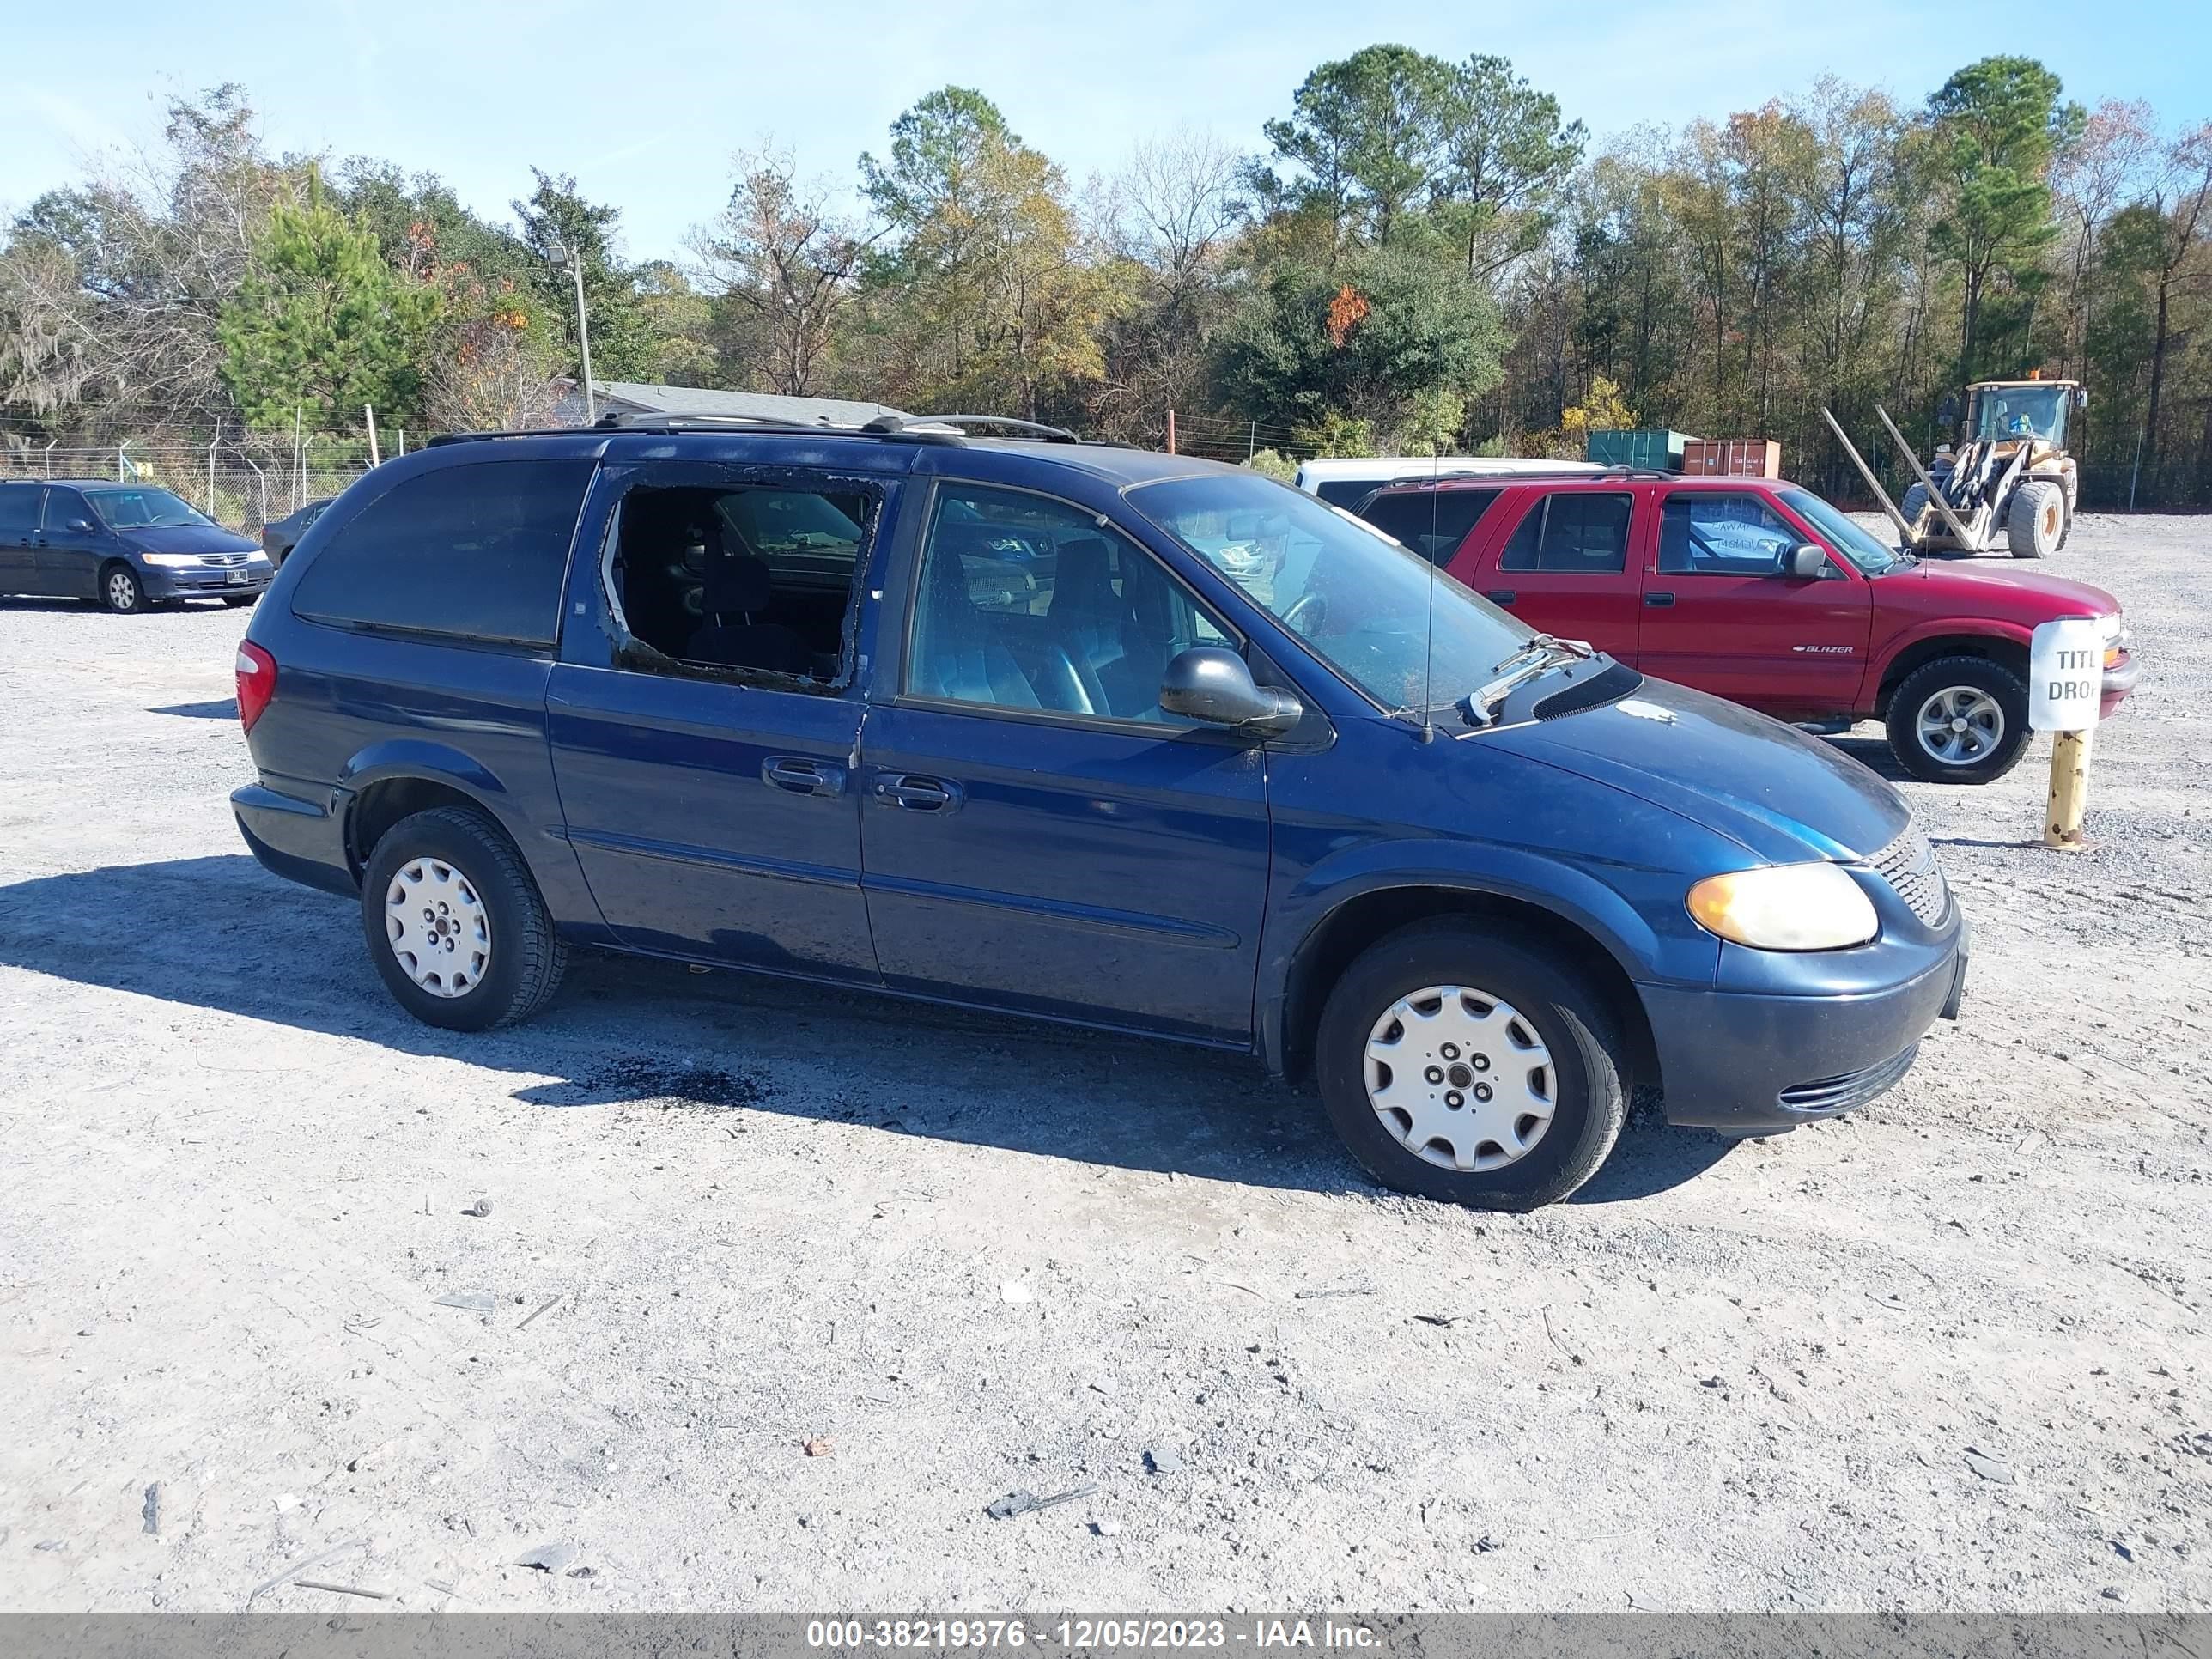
{"x": 1345, "y": 483}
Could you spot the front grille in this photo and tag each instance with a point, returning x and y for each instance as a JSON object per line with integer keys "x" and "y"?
{"x": 223, "y": 561}
{"x": 1908, "y": 864}
{"x": 1827, "y": 1095}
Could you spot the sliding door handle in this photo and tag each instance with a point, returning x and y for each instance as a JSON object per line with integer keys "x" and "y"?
{"x": 802, "y": 777}
{"x": 917, "y": 794}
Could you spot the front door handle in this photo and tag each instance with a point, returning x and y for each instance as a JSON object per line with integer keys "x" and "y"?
{"x": 1502, "y": 595}
{"x": 917, "y": 794}
{"x": 802, "y": 777}
{"x": 1658, "y": 599}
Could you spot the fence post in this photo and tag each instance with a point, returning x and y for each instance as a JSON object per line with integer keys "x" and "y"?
{"x": 375, "y": 459}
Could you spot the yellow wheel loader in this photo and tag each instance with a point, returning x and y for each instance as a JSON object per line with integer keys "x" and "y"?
{"x": 2011, "y": 478}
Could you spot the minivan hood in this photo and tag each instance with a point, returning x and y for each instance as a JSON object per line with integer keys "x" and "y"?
{"x": 188, "y": 538}
{"x": 1783, "y": 795}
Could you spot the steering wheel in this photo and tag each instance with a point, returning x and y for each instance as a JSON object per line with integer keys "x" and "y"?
{"x": 1306, "y": 614}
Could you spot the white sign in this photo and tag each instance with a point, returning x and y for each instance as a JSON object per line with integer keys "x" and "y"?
{"x": 2065, "y": 675}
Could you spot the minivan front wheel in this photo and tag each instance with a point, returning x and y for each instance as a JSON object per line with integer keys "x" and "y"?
{"x": 120, "y": 589}
{"x": 1460, "y": 1066}
{"x": 455, "y": 925}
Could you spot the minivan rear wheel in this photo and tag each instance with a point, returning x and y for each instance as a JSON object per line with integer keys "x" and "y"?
{"x": 455, "y": 924}
{"x": 1461, "y": 1065}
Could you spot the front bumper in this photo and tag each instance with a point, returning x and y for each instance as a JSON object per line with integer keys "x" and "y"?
{"x": 1753, "y": 1063}
{"x": 204, "y": 581}
{"x": 2119, "y": 680}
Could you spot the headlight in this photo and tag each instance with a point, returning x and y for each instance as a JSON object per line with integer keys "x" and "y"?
{"x": 169, "y": 560}
{"x": 2116, "y": 643}
{"x": 1785, "y": 907}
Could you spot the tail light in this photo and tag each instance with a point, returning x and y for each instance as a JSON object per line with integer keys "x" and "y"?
{"x": 257, "y": 682}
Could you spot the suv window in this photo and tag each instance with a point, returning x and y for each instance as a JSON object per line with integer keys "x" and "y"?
{"x": 1432, "y": 522}
{"x": 1572, "y": 531}
{"x": 477, "y": 549}
{"x": 1709, "y": 534}
{"x": 1025, "y": 602}
{"x": 1347, "y": 493}
{"x": 19, "y": 508}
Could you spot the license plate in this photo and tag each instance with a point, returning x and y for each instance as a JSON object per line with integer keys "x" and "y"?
{"x": 235, "y": 578}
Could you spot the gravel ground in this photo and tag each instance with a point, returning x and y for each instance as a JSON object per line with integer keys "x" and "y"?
{"x": 784, "y": 1287}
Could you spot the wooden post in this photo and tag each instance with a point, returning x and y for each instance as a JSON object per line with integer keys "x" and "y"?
{"x": 2070, "y": 792}
{"x": 375, "y": 459}
{"x": 1171, "y": 448}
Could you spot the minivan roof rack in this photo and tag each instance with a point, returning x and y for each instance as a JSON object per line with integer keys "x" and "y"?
{"x": 1051, "y": 434}
{"x": 628, "y": 421}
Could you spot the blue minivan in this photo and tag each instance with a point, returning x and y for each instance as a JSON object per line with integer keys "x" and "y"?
{"x": 1119, "y": 738}
{"x": 127, "y": 546}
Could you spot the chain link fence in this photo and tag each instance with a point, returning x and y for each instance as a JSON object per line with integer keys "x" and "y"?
{"x": 241, "y": 486}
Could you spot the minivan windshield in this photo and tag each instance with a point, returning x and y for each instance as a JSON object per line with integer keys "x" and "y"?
{"x": 1844, "y": 533}
{"x": 1360, "y": 602}
{"x": 142, "y": 509}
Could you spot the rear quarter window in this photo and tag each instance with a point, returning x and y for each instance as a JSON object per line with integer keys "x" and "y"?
{"x": 1432, "y": 522}
{"x": 477, "y": 550}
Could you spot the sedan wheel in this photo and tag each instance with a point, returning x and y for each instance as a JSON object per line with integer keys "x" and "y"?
{"x": 1459, "y": 1078}
{"x": 1960, "y": 725}
{"x": 440, "y": 929}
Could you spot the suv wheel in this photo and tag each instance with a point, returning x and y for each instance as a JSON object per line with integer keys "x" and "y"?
{"x": 455, "y": 925}
{"x": 1958, "y": 720}
{"x": 1463, "y": 1066}
{"x": 120, "y": 589}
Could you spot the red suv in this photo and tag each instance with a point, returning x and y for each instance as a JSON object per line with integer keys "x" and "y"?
{"x": 1759, "y": 591}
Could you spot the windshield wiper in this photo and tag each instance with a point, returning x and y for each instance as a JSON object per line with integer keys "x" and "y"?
{"x": 1542, "y": 653}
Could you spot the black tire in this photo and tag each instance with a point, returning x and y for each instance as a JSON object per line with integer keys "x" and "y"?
{"x": 1914, "y": 504}
{"x": 1574, "y": 1022}
{"x": 2035, "y": 521}
{"x": 234, "y": 600}
{"x": 120, "y": 589}
{"x": 527, "y": 956}
{"x": 1944, "y": 675}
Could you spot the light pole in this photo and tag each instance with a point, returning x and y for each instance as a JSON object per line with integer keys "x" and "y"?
{"x": 573, "y": 260}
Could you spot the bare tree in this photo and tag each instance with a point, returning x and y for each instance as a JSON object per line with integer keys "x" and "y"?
{"x": 2093, "y": 177}
{"x": 1175, "y": 209}
{"x": 780, "y": 250}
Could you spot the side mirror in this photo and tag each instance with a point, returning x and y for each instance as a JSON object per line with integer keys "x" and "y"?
{"x": 1807, "y": 562}
{"x": 2080, "y": 397}
{"x": 82, "y": 527}
{"x": 1208, "y": 682}
{"x": 1946, "y": 413}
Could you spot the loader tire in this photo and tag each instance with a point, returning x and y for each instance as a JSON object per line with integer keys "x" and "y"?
{"x": 2035, "y": 524}
{"x": 1914, "y": 504}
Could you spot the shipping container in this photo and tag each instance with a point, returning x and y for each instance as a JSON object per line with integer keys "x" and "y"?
{"x": 1733, "y": 457}
{"x": 1650, "y": 448}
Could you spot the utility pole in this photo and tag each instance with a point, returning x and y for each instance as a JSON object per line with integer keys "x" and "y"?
{"x": 573, "y": 258}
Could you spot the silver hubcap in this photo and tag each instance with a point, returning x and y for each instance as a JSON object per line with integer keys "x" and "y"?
{"x": 119, "y": 591}
{"x": 1460, "y": 1078}
{"x": 440, "y": 930}
{"x": 1961, "y": 726}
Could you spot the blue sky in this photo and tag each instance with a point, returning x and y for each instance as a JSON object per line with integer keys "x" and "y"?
{"x": 645, "y": 102}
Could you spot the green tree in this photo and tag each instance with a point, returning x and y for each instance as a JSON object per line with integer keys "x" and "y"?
{"x": 989, "y": 295}
{"x": 1507, "y": 156}
{"x": 323, "y": 326}
{"x": 1998, "y": 123}
{"x": 1365, "y": 136}
{"x": 1382, "y": 339}
{"x": 560, "y": 225}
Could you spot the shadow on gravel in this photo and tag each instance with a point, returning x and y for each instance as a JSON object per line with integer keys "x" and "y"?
{"x": 1874, "y": 753}
{"x": 220, "y": 708}
{"x": 223, "y": 934}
